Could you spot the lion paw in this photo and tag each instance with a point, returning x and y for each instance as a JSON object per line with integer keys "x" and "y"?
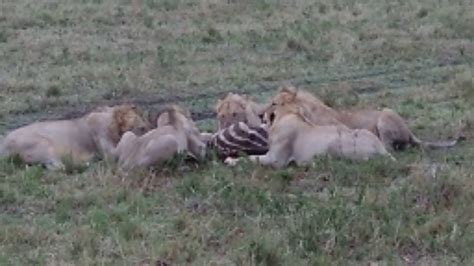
{"x": 231, "y": 161}
{"x": 254, "y": 158}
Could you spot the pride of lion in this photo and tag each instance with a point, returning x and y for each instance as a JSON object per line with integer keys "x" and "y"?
{"x": 293, "y": 126}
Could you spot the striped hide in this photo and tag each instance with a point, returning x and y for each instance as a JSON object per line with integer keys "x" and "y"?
{"x": 240, "y": 139}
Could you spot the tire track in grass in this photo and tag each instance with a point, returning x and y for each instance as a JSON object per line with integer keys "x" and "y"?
{"x": 390, "y": 78}
{"x": 392, "y": 81}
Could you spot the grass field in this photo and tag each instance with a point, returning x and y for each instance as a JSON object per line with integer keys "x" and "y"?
{"x": 60, "y": 59}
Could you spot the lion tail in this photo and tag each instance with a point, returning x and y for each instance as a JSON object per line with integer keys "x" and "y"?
{"x": 414, "y": 141}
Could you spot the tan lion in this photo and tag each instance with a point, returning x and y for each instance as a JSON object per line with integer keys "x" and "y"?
{"x": 175, "y": 133}
{"x": 387, "y": 125}
{"x": 80, "y": 139}
{"x": 236, "y": 108}
{"x": 294, "y": 138}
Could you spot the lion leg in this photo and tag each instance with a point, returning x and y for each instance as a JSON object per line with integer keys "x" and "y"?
{"x": 124, "y": 152}
{"x": 387, "y": 141}
{"x": 277, "y": 156}
{"x": 230, "y": 161}
{"x": 206, "y": 137}
{"x": 55, "y": 164}
{"x": 381, "y": 149}
{"x": 393, "y": 131}
{"x": 107, "y": 148}
{"x": 369, "y": 145}
{"x": 196, "y": 147}
{"x": 39, "y": 151}
{"x": 158, "y": 150}
{"x": 384, "y": 134}
{"x": 126, "y": 143}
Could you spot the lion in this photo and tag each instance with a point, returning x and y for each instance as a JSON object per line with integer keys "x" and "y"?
{"x": 293, "y": 137}
{"x": 95, "y": 134}
{"x": 175, "y": 133}
{"x": 236, "y": 108}
{"x": 386, "y": 124}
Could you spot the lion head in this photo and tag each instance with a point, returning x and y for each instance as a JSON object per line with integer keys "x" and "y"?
{"x": 290, "y": 95}
{"x": 276, "y": 112}
{"x": 315, "y": 109}
{"x": 180, "y": 113}
{"x": 180, "y": 118}
{"x": 125, "y": 118}
{"x": 236, "y": 108}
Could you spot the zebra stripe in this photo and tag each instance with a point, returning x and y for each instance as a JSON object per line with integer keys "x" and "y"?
{"x": 239, "y": 138}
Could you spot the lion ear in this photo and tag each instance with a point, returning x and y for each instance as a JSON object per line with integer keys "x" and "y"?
{"x": 290, "y": 89}
{"x": 186, "y": 112}
{"x": 293, "y": 91}
{"x": 101, "y": 109}
{"x": 162, "y": 120}
{"x": 242, "y": 102}
{"x": 170, "y": 116}
{"x": 164, "y": 116}
{"x": 304, "y": 113}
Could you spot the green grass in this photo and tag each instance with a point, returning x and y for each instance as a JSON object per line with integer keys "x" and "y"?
{"x": 66, "y": 57}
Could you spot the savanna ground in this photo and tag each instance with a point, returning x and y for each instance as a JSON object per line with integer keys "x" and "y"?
{"x": 62, "y": 58}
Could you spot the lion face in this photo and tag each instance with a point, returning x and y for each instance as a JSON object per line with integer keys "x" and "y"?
{"x": 284, "y": 102}
{"x": 128, "y": 119}
{"x": 230, "y": 110}
{"x": 314, "y": 109}
{"x": 230, "y": 113}
{"x": 236, "y": 108}
{"x": 276, "y": 112}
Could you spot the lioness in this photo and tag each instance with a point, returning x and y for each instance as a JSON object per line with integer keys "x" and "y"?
{"x": 236, "y": 108}
{"x": 387, "y": 125}
{"x": 96, "y": 133}
{"x": 293, "y": 137}
{"x": 175, "y": 133}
